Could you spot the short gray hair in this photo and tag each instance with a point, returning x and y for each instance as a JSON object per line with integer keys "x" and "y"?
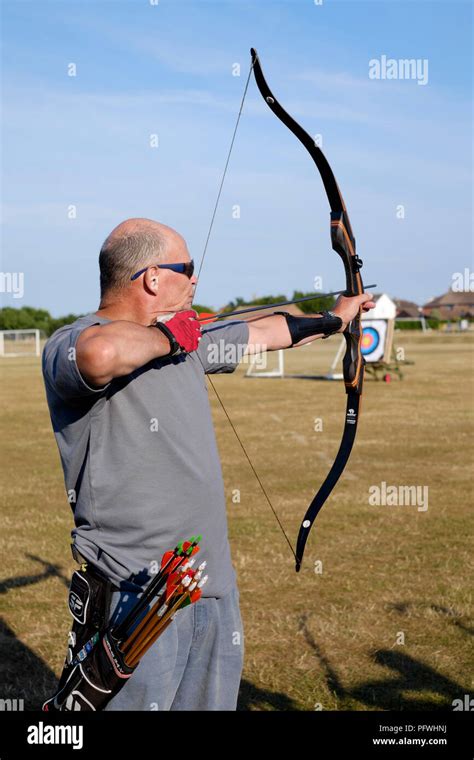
{"x": 123, "y": 255}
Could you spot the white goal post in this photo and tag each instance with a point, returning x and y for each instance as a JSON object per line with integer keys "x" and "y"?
{"x": 20, "y": 343}
{"x": 255, "y": 361}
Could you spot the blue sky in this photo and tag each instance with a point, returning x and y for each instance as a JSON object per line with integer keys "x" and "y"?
{"x": 166, "y": 69}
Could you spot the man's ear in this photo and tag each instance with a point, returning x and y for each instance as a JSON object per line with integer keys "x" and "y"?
{"x": 151, "y": 280}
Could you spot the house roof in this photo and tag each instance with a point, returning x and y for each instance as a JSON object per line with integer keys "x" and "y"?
{"x": 407, "y": 308}
{"x": 452, "y": 304}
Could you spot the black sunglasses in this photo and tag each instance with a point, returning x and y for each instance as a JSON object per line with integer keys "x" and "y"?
{"x": 187, "y": 268}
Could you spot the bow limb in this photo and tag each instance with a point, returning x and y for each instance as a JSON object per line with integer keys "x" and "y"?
{"x": 343, "y": 242}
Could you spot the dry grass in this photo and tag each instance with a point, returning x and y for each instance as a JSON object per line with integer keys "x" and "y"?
{"x": 387, "y": 623}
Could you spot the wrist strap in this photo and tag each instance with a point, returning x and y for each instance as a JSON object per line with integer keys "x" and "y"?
{"x": 175, "y": 348}
{"x": 337, "y": 322}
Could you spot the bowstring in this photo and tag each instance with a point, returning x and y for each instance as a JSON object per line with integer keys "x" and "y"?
{"x": 224, "y": 174}
{"x": 219, "y": 193}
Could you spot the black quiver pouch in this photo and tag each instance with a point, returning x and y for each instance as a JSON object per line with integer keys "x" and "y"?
{"x": 94, "y": 670}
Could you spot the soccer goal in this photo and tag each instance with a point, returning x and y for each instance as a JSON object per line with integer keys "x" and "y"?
{"x": 20, "y": 343}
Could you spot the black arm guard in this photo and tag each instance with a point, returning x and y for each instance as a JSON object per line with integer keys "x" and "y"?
{"x": 303, "y": 327}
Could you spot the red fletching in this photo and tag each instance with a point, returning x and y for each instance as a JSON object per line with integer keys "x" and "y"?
{"x": 166, "y": 558}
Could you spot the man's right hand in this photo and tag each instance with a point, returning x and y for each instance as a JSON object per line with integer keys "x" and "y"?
{"x": 186, "y": 330}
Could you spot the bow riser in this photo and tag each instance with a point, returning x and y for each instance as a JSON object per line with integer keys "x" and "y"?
{"x": 343, "y": 243}
{"x": 353, "y": 361}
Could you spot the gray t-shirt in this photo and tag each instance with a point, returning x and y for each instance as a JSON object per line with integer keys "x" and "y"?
{"x": 140, "y": 459}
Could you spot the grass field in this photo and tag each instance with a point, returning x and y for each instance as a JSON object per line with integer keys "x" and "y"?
{"x": 386, "y": 625}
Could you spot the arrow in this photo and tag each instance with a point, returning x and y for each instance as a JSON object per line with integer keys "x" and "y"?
{"x": 272, "y": 305}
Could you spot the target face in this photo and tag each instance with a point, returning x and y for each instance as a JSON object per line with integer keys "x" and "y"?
{"x": 370, "y": 340}
{"x": 374, "y": 332}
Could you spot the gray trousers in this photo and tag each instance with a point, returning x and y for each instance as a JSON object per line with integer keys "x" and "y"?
{"x": 196, "y": 664}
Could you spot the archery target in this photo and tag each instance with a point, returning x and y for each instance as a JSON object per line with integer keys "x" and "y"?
{"x": 374, "y": 333}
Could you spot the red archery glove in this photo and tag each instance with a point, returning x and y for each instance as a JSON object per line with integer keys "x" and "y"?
{"x": 185, "y": 329}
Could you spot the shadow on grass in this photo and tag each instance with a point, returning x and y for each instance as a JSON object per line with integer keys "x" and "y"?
{"x": 251, "y": 697}
{"x": 407, "y": 689}
{"x": 49, "y": 571}
{"x": 23, "y": 675}
{"x": 410, "y": 678}
{"x": 454, "y": 616}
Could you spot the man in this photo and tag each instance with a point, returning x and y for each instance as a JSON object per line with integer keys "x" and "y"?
{"x": 131, "y": 416}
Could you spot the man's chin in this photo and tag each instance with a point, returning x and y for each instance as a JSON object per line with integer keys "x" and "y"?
{"x": 186, "y": 305}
